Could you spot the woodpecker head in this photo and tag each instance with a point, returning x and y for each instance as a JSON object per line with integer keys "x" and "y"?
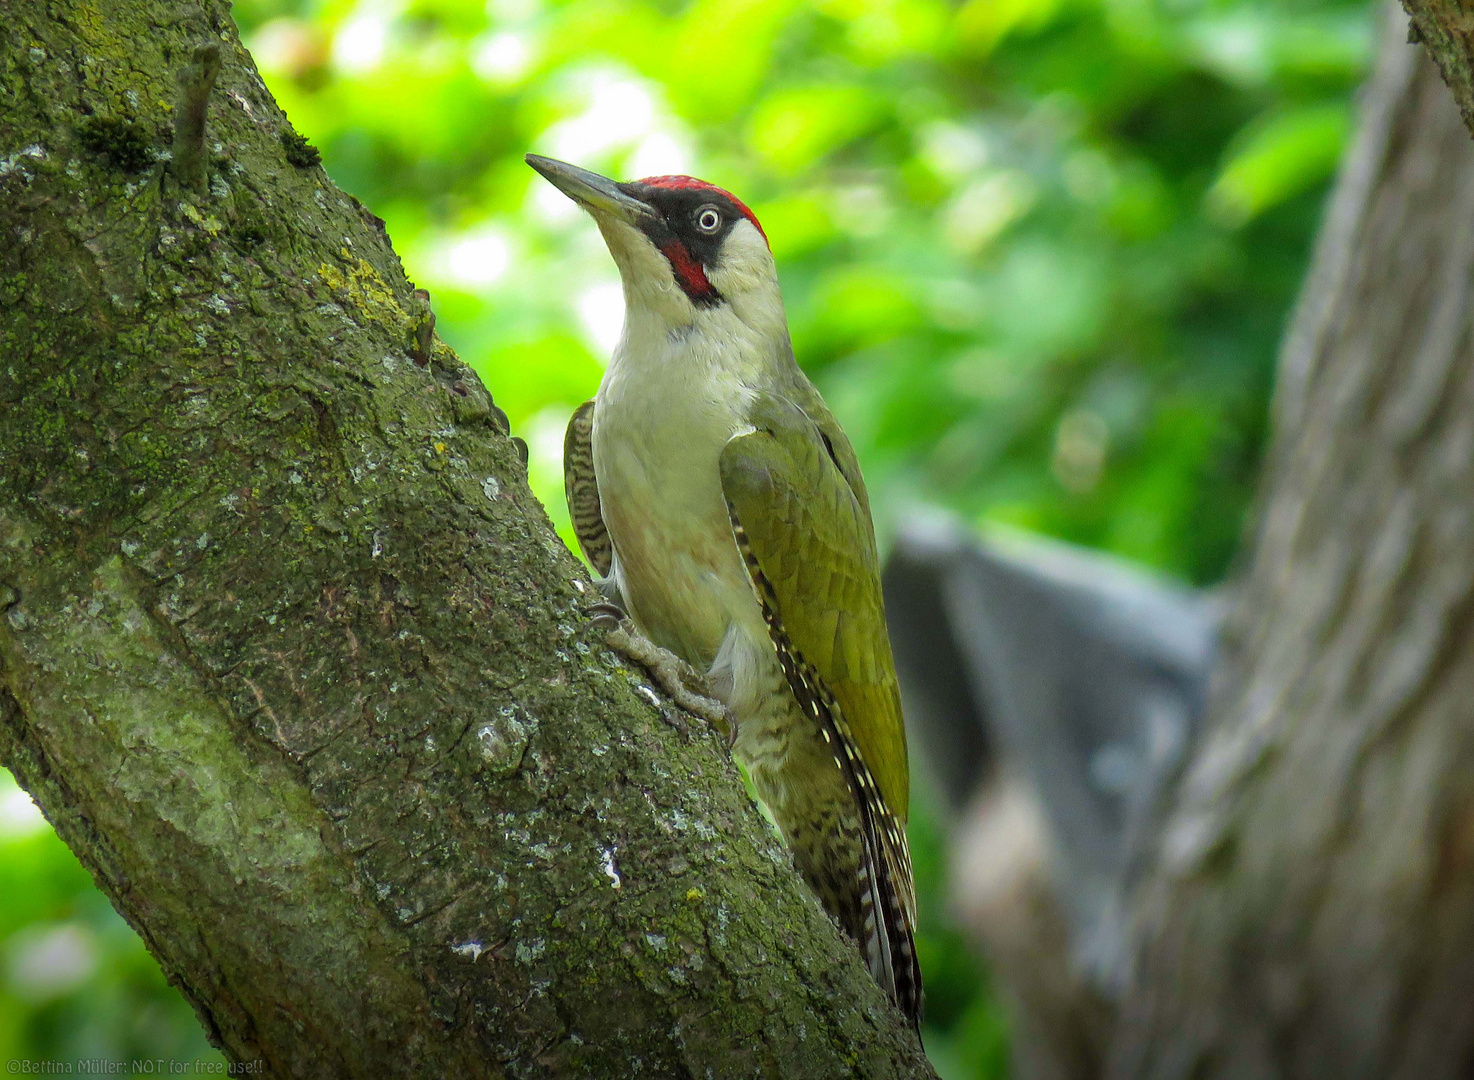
{"x": 685, "y": 248}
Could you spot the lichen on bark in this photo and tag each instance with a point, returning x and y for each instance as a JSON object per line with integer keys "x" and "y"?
{"x": 291, "y": 656}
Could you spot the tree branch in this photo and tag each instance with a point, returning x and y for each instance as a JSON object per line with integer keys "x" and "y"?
{"x": 190, "y": 109}
{"x": 290, "y": 655}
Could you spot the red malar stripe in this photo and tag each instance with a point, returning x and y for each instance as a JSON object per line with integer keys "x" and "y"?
{"x": 689, "y": 272}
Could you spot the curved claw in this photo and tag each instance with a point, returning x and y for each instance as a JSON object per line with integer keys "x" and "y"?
{"x": 606, "y": 616}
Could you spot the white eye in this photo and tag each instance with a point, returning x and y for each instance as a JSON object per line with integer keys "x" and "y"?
{"x": 708, "y": 220}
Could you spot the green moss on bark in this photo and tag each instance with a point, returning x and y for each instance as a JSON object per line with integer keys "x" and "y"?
{"x": 125, "y": 142}
{"x": 300, "y": 152}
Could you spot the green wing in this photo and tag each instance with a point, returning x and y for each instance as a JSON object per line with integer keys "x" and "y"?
{"x": 809, "y": 547}
{"x": 581, "y": 489}
{"x": 814, "y": 543}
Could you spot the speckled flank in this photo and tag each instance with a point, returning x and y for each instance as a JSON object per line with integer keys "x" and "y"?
{"x": 581, "y": 489}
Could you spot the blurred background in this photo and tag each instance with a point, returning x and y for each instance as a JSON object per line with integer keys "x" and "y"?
{"x": 1037, "y": 255}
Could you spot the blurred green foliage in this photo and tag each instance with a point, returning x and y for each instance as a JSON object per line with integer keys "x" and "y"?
{"x": 1036, "y": 253}
{"x": 76, "y": 983}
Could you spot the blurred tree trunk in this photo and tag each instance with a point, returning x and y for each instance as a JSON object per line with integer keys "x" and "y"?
{"x": 1311, "y": 913}
{"x": 289, "y": 653}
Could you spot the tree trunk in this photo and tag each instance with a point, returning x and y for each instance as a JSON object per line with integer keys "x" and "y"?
{"x": 1312, "y": 909}
{"x": 1447, "y": 28}
{"x": 290, "y": 655}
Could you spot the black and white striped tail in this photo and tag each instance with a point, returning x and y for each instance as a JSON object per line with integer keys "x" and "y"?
{"x": 890, "y": 943}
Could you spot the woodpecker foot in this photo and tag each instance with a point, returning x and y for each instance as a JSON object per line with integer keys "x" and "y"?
{"x": 606, "y": 616}
{"x": 682, "y": 683}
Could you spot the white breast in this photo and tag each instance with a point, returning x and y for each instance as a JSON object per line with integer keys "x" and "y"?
{"x": 668, "y": 404}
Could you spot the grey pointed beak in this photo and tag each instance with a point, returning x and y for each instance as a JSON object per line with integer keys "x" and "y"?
{"x": 593, "y": 192}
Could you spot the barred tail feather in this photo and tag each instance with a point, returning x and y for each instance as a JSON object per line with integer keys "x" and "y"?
{"x": 889, "y": 908}
{"x": 900, "y": 925}
{"x": 876, "y": 937}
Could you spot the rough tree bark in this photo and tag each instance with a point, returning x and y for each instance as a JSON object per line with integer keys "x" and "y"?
{"x": 1447, "y": 28}
{"x": 1312, "y": 911}
{"x": 289, "y": 654}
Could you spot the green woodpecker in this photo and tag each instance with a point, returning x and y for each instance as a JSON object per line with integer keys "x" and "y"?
{"x": 713, "y": 490}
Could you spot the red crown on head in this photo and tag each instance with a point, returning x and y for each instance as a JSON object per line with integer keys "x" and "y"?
{"x": 701, "y": 185}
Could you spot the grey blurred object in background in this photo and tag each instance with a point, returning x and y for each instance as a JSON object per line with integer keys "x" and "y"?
{"x": 1052, "y": 694}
